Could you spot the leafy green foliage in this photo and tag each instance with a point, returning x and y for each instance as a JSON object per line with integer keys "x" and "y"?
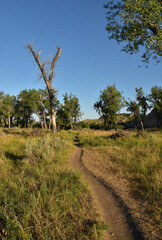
{"x": 138, "y": 107}
{"x": 25, "y": 106}
{"x": 7, "y": 105}
{"x": 109, "y": 104}
{"x": 69, "y": 112}
{"x": 137, "y": 23}
{"x": 156, "y": 98}
{"x": 142, "y": 102}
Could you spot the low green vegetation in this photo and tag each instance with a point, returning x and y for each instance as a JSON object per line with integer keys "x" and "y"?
{"x": 135, "y": 156}
{"x": 40, "y": 198}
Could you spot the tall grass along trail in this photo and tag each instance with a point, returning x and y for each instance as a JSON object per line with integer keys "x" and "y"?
{"x": 112, "y": 210}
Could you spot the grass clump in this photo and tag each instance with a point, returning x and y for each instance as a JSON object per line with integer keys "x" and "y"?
{"x": 39, "y": 197}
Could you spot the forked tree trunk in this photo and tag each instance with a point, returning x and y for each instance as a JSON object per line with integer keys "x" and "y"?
{"x": 48, "y": 80}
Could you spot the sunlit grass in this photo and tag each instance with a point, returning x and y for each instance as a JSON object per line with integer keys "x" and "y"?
{"x": 39, "y": 197}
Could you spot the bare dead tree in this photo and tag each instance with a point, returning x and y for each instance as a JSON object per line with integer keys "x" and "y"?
{"x": 47, "y": 78}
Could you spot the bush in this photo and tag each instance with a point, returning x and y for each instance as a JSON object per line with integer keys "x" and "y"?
{"x": 44, "y": 148}
{"x": 94, "y": 126}
{"x": 83, "y": 124}
{"x": 36, "y": 125}
{"x": 118, "y": 134}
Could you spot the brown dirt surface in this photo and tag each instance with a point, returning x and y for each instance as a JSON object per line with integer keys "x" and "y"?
{"x": 111, "y": 207}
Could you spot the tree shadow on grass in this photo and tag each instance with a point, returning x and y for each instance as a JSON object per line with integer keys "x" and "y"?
{"x": 16, "y": 159}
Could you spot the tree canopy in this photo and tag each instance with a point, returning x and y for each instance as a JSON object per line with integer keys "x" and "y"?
{"x": 109, "y": 104}
{"x": 137, "y": 23}
{"x": 69, "y": 112}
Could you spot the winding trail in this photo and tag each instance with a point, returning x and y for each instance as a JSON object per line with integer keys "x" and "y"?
{"x": 121, "y": 226}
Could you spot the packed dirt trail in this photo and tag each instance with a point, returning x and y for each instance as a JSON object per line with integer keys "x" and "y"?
{"x": 108, "y": 207}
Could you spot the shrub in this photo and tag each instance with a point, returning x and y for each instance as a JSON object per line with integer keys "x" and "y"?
{"x": 44, "y": 148}
{"x": 118, "y": 134}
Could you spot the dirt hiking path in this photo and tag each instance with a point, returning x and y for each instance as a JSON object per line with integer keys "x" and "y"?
{"x": 110, "y": 209}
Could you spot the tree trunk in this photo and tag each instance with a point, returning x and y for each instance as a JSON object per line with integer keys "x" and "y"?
{"x": 44, "y": 113}
{"x": 17, "y": 122}
{"x": 40, "y": 119}
{"x": 53, "y": 119}
{"x": 141, "y": 123}
{"x": 5, "y": 125}
{"x": 26, "y": 122}
{"x": 12, "y": 124}
{"x": 48, "y": 80}
{"x": 9, "y": 123}
{"x": 71, "y": 125}
{"x": 49, "y": 127}
{"x": 44, "y": 116}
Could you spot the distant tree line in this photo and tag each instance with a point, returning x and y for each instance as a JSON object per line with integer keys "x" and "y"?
{"x": 111, "y": 102}
{"x": 18, "y": 110}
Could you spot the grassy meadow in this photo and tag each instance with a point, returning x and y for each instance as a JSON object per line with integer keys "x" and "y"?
{"x": 40, "y": 198}
{"x": 131, "y": 155}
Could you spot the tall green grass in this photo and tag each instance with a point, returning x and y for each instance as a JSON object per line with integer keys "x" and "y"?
{"x": 39, "y": 197}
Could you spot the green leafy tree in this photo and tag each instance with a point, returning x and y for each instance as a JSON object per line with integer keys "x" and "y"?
{"x": 110, "y": 103}
{"x": 25, "y": 107}
{"x": 137, "y": 23}
{"x": 134, "y": 108}
{"x": 139, "y": 107}
{"x": 142, "y": 102}
{"x": 155, "y": 97}
{"x": 61, "y": 117}
{"x": 69, "y": 112}
{"x": 7, "y": 104}
{"x": 8, "y": 107}
{"x": 36, "y": 104}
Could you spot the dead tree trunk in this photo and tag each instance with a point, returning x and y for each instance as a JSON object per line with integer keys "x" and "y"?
{"x": 39, "y": 119}
{"x": 44, "y": 113}
{"x": 48, "y": 79}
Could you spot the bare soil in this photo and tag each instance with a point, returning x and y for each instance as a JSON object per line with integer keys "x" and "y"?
{"x": 110, "y": 206}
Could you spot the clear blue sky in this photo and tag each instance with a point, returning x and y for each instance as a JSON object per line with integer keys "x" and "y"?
{"x": 89, "y": 61}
